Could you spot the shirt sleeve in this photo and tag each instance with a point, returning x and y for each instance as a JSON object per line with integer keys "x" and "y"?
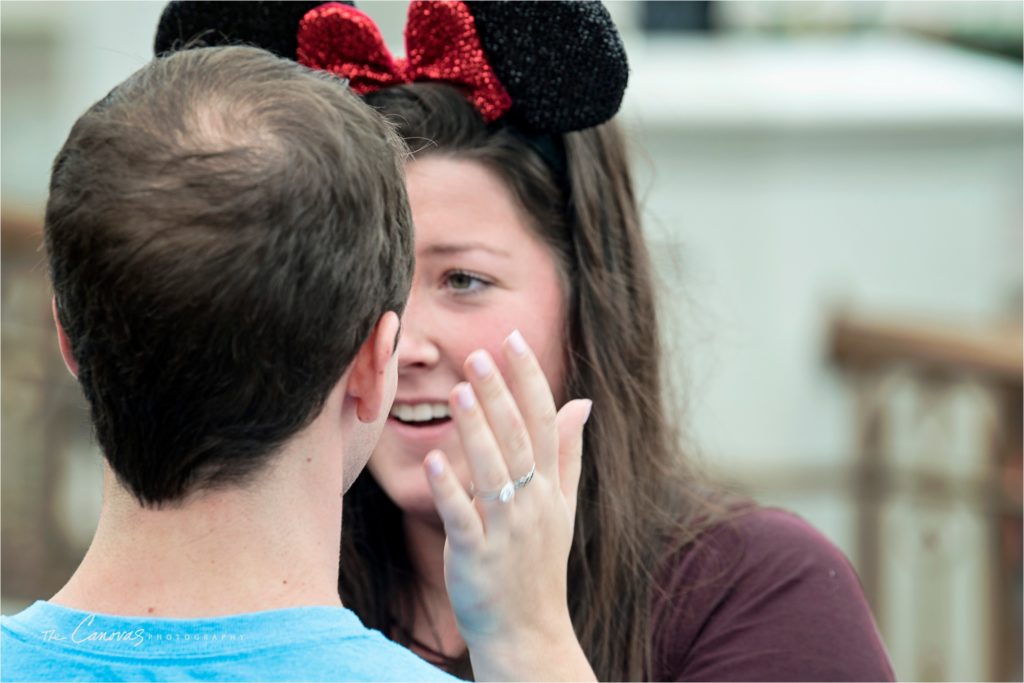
{"x": 765, "y": 597}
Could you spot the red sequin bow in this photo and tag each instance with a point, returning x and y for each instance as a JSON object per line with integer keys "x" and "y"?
{"x": 440, "y": 40}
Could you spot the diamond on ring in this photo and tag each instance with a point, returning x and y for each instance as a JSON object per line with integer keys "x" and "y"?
{"x": 507, "y": 491}
{"x": 502, "y": 495}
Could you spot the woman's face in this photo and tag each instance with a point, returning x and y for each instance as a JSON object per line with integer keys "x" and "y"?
{"x": 481, "y": 272}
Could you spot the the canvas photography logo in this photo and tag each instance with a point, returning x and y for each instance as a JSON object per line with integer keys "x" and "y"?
{"x": 87, "y": 632}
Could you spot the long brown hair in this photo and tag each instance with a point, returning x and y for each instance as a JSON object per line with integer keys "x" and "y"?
{"x": 638, "y": 500}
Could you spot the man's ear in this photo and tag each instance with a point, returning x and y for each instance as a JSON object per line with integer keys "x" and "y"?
{"x": 64, "y": 342}
{"x": 368, "y": 381}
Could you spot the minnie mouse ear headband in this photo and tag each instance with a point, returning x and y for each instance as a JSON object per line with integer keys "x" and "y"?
{"x": 542, "y": 67}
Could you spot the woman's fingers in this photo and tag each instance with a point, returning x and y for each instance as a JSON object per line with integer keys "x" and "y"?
{"x": 532, "y": 394}
{"x": 486, "y": 463}
{"x": 502, "y": 414}
{"x": 461, "y": 520}
{"x": 571, "y": 420}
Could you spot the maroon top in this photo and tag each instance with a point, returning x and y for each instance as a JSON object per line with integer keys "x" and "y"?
{"x": 765, "y": 597}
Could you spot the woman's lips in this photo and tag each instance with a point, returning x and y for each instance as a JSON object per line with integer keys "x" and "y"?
{"x": 424, "y": 435}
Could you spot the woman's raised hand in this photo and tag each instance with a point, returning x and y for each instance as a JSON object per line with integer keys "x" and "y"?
{"x": 508, "y": 538}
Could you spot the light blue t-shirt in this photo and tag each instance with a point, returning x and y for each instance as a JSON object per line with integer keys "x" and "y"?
{"x": 48, "y": 642}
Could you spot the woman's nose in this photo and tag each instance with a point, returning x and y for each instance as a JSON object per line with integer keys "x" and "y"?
{"x": 417, "y": 347}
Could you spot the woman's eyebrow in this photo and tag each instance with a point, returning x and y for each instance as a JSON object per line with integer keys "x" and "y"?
{"x": 449, "y": 248}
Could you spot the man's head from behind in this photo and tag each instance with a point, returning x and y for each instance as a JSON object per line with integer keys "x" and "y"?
{"x": 225, "y": 230}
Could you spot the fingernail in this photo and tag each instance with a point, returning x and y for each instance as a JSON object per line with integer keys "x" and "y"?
{"x": 590, "y": 406}
{"x": 517, "y": 343}
{"x": 465, "y": 397}
{"x": 481, "y": 364}
{"x": 435, "y": 466}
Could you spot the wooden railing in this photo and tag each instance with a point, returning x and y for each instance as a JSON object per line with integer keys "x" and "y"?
{"x": 936, "y": 365}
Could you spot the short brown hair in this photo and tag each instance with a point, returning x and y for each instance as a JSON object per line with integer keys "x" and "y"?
{"x": 223, "y": 230}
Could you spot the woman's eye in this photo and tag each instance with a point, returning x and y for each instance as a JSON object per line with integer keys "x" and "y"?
{"x": 463, "y": 282}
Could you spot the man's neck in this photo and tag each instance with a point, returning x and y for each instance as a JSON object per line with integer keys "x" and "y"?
{"x": 219, "y": 553}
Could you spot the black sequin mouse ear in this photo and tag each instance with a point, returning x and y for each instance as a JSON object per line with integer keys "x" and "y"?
{"x": 269, "y": 25}
{"x": 562, "y": 62}
{"x": 546, "y": 67}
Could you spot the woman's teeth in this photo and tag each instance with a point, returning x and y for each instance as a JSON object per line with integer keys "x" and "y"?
{"x": 421, "y": 412}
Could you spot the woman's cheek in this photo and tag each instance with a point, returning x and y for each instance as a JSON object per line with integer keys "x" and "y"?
{"x": 482, "y": 330}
